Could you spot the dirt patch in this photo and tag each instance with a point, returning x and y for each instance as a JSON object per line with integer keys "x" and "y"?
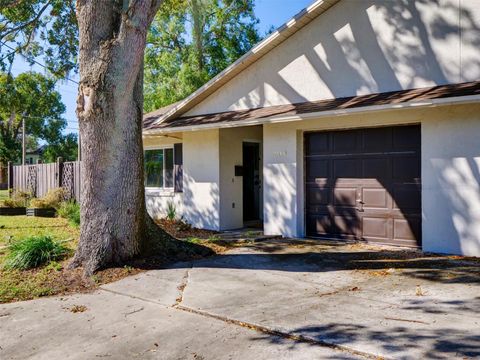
{"x": 181, "y": 230}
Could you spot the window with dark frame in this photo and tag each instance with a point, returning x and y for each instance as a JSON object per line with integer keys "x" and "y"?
{"x": 159, "y": 168}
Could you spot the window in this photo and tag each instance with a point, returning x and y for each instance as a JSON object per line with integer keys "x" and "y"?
{"x": 159, "y": 168}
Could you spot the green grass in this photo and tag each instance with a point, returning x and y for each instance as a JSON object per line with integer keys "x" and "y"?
{"x": 71, "y": 211}
{"x": 28, "y": 284}
{"x": 18, "y": 227}
{"x": 3, "y": 195}
{"x": 34, "y": 251}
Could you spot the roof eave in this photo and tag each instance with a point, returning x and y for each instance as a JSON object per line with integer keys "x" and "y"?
{"x": 301, "y": 19}
{"x": 458, "y": 100}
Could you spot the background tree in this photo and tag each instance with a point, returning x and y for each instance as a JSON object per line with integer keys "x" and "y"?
{"x": 191, "y": 41}
{"x": 39, "y": 28}
{"x": 31, "y": 96}
{"x": 66, "y": 147}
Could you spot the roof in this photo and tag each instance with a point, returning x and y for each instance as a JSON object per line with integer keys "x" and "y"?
{"x": 149, "y": 118}
{"x": 292, "y": 26}
{"x": 387, "y": 98}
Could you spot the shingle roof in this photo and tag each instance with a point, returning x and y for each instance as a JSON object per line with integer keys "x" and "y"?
{"x": 151, "y": 117}
{"x": 393, "y": 97}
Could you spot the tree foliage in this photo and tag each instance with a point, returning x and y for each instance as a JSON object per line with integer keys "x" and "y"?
{"x": 44, "y": 29}
{"x": 66, "y": 147}
{"x": 190, "y": 41}
{"x": 31, "y": 96}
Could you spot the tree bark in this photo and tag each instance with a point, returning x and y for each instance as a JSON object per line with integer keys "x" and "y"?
{"x": 109, "y": 108}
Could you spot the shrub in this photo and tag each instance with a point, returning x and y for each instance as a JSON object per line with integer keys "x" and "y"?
{"x": 34, "y": 251}
{"x": 18, "y": 199}
{"x": 53, "y": 199}
{"x": 70, "y": 210}
{"x": 171, "y": 211}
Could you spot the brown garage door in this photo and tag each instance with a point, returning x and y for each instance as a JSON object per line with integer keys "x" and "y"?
{"x": 364, "y": 184}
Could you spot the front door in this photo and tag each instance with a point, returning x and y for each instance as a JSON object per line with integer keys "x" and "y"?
{"x": 251, "y": 181}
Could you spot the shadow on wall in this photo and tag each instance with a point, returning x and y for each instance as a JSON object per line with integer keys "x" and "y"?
{"x": 415, "y": 47}
{"x": 418, "y": 48}
{"x": 459, "y": 181}
{"x": 201, "y": 203}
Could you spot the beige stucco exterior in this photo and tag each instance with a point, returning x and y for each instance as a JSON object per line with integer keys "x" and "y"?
{"x": 354, "y": 48}
{"x": 450, "y": 165}
{"x": 360, "y": 47}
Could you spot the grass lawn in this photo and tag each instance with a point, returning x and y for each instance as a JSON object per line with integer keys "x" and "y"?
{"x": 23, "y": 285}
{"x": 55, "y": 278}
{"x": 3, "y": 194}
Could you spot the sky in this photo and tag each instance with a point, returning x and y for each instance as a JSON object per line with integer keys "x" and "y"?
{"x": 269, "y": 12}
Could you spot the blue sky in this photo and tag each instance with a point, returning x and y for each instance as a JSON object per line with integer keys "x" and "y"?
{"x": 270, "y": 12}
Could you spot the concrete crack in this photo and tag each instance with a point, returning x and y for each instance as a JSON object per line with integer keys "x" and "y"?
{"x": 182, "y": 287}
{"x": 278, "y": 333}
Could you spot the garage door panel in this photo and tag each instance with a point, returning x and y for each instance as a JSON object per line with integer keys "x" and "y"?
{"x": 364, "y": 184}
{"x": 375, "y": 198}
{"x": 379, "y": 139}
{"x": 345, "y": 197}
{"x": 406, "y": 167}
{"x": 320, "y": 224}
{"x": 319, "y": 168}
{"x": 345, "y": 141}
{"x": 408, "y": 228}
{"x": 407, "y": 198}
{"x": 406, "y": 138}
{"x": 376, "y": 168}
{"x": 318, "y": 143}
{"x": 319, "y": 196}
{"x": 375, "y": 227}
{"x": 347, "y": 223}
{"x": 345, "y": 168}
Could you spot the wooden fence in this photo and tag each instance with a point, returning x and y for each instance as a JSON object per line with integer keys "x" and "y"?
{"x": 40, "y": 178}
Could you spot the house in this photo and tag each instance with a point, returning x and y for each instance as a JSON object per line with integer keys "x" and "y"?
{"x": 354, "y": 120}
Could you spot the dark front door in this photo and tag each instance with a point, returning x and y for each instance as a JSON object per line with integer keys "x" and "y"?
{"x": 364, "y": 184}
{"x": 251, "y": 181}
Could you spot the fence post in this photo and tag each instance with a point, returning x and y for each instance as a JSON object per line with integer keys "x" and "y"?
{"x": 10, "y": 178}
{"x": 60, "y": 171}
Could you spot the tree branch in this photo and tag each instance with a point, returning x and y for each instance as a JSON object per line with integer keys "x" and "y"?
{"x": 28, "y": 23}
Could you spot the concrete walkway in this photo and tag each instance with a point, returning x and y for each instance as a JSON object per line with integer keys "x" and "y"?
{"x": 263, "y": 301}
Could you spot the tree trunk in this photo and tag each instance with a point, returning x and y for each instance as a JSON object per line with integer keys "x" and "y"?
{"x": 109, "y": 109}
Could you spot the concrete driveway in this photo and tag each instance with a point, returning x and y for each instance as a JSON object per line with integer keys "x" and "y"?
{"x": 267, "y": 300}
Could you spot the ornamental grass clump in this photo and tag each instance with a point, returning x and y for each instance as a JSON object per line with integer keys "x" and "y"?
{"x": 17, "y": 200}
{"x": 34, "y": 251}
{"x": 52, "y": 199}
{"x": 70, "y": 210}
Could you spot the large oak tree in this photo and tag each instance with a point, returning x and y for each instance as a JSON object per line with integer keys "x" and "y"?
{"x": 110, "y": 36}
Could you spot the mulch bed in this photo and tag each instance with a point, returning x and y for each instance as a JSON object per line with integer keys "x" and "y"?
{"x": 180, "y": 230}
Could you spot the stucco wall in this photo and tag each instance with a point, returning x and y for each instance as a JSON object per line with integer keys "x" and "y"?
{"x": 201, "y": 178}
{"x": 450, "y": 173}
{"x": 451, "y": 181}
{"x": 231, "y": 154}
{"x": 359, "y": 47}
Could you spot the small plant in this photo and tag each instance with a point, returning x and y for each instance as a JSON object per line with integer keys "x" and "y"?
{"x": 70, "y": 210}
{"x": 212, "y": 238}
{"x": 52, "y": 199}
{"x": 193, "y": 240}
{"x": 34, "y": 251}
{"x": 171, "y": 211}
